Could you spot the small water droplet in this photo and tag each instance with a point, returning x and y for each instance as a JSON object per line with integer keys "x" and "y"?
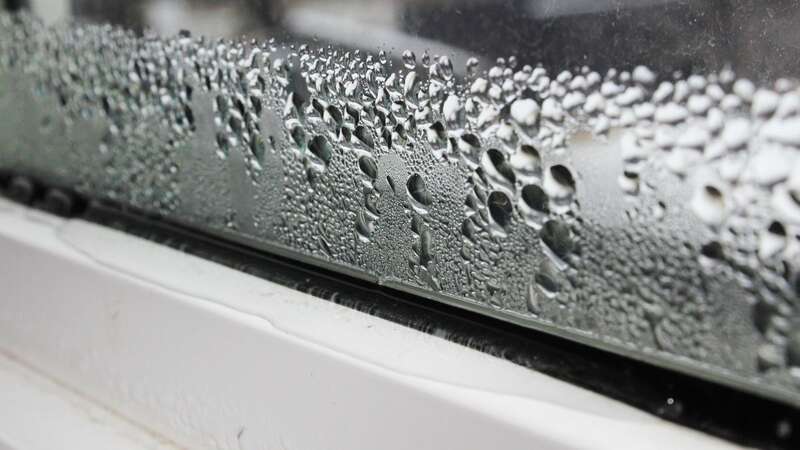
{"x": 409, "y": 59}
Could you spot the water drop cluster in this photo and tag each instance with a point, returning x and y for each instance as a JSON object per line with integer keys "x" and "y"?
{"x": 647, "y": 212}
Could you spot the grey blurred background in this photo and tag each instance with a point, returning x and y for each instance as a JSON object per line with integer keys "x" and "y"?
{"x": 758, "y": 38}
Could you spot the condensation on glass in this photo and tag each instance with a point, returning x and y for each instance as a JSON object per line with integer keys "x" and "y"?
{"x": 624, "y": 174}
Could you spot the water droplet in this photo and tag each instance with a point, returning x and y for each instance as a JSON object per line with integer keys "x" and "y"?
{"x": 772, "y": 241}
{"x": 557, "y": 236}
{"x": 527, "y": 163}
{"x": 497, "y": 168}
{"x": 368, "y": 166}
{"x": 321, "y": 148}
{"x": 418, "y": 191}
{"x": 525, "y": 112}
{"x": 426, "y": 59}
{"x": 472, "y": 67}
{"x": 409, "y": 59}
{"x": 559, "y": 184}
{"x": 629, "y": 183}
{"x": 708, "y": 203}
{"x": 445, "y": 67}
{"x": 364, "y": 135}
{"x": 500, "y": 208}
{"x": 546, "y": 280}
{"x": 390, "y": 182}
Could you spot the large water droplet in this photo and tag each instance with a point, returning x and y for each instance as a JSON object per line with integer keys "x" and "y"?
{"x": 559, "y": 184}
{"x": 368, "y": 166}
{"x": 497, "y": 168}
{"x": 321, "y": 148}
{"x": 418, "y": 191}
{"x": 527, "y": 163}
{"x": 500, "y": 208}
{"x": 409, "y": 59}
{"x": 557, "y": 236}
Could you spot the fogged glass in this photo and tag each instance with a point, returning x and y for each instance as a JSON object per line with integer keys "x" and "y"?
{"x": 621, "y": 173}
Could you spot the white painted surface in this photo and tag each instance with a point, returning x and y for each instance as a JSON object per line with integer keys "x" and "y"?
{"x": 38, "y": 414}
{"x": 214, "y": 358}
